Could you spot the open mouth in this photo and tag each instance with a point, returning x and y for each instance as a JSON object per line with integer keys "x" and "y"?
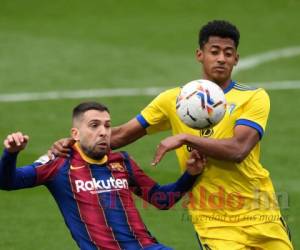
{"x": 102, "y": 144}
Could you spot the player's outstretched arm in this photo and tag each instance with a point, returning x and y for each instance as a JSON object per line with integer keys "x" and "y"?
{"x": 234, "y": 149}
{"x": 165, "y": 196}
{"x": 10, "y": 177}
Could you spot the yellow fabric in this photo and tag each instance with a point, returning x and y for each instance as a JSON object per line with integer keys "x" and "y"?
{"x": 227, "y": 193}
{"x": 267, "y": 236}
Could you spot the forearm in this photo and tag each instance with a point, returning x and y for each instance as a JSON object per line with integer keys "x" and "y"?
{"x": 222, "y": 149}
{"x": 165, "y": 196}
{"x": 12, "y": 178}
{"x": 126, "y": 134}
{"x": 7, "y": 169}
{"x": 118, "y": 138}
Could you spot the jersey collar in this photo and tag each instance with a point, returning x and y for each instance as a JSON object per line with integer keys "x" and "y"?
{"x": 229, "y": 87}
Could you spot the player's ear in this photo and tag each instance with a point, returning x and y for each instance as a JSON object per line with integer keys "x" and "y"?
{"x": 75, "y": 134}
{"x": 237, "y": 57}
{"x": 199, "y": 55}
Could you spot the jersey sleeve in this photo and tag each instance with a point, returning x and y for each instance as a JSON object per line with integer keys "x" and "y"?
{"x": 154, "y": 117}
{"x": 47, "y": 169}
{"x": 160, "y": 196}
{"x": 255, "y": 112}
{"x": 13, "y": 178}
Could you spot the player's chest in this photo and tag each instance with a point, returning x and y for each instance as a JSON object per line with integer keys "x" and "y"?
{"x": 234, "y": 110}
{"x": 98, "y": 179}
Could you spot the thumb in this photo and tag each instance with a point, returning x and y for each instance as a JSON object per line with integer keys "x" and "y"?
{"x": 26, "y": 138}
{"x": 195, "y": 154}
{"x": 190, "y": 161}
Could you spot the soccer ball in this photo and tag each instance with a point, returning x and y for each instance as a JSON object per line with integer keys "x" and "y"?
{"x": 201, "y": 104}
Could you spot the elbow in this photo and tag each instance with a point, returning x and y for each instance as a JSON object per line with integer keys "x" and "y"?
{"x": 163, "y": 206}
{"x": 168, "y": 206}
{"x": 162, "y": 202}
{"x": 6, "y": 187}
{"x": 238, "y": 159}
{"x": 240, "y": 156}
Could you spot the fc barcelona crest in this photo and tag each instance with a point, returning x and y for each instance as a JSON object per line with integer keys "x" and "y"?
{"x": 116, "y": 166}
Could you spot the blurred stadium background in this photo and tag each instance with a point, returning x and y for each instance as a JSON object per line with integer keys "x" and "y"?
{"x": 81, "y": 45}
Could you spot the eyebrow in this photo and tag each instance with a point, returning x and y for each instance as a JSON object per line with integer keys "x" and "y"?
{"x": 226, "y": 48}
{"x": 99, "y": 120}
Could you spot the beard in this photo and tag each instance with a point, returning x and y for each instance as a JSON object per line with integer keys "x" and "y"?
{"x": 93, "y": 153}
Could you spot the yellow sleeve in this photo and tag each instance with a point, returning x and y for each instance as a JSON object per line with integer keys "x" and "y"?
{"x": 155, "y": 117}
{"x": 255, "y": 112}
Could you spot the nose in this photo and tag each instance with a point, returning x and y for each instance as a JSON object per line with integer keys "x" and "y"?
{"x": 103, "y": 131}
{"x": 221, "y": 58}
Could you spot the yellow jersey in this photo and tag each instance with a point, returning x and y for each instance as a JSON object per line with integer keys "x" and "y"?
{"x": 227, "y": 193}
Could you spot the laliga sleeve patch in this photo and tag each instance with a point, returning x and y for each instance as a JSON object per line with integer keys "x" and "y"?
{"x": 43, "y": 159}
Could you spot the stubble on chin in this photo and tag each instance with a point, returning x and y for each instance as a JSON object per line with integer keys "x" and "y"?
{"x": 94, "y": 154}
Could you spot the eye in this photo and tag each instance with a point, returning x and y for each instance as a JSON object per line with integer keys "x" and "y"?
{"x": 107, "y": 125}
{"x": 214, "y": 52}
{"x": 228, "y": 54}
{"x": 93, "y": 125}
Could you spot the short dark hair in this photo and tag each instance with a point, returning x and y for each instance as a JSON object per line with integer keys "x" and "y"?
{"x": 85, "y": 106}
{"x": 220, "y": 28}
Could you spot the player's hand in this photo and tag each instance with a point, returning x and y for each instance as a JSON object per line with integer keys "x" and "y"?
{"x": 15, "y": 142}
{"x": 196, "y": 162}
{"x": 166, "y": 145}
{"x": 61, "y": 148}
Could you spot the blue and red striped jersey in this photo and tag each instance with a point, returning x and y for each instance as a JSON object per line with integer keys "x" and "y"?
{"x": 95, "y": 196}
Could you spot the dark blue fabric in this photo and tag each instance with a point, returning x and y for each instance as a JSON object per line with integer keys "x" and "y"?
{"x": 251, "y": 124}
{"x": 142, "y": 121}
{"x": 12, "y": 178}
{"x": 229, "y": 87}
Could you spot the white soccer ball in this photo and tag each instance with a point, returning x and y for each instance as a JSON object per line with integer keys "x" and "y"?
{"x": 201, "y": 104}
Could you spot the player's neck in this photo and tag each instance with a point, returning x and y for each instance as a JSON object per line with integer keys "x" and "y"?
{"x": 223, "y": 84}
{"x": 88, "y": 159}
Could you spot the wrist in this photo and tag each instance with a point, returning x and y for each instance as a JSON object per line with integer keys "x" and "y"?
{"x": 192, "y": 174}
{"x": 9, "y": 152}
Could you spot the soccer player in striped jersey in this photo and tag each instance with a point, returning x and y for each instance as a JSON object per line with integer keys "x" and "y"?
{"x": 93, "y": 187}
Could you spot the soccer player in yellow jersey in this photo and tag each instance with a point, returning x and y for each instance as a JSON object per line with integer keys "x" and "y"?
{"x": 233, "y": 205}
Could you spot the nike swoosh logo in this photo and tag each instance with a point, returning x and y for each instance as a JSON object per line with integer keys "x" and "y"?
{"x": 75, "y": 168}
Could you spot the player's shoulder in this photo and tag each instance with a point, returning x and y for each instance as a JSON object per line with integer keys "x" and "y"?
{"x": 170, "y": 93}
{"x": 243, "y": 87}
{"x": 244, "y": 90}
{"x": 43, "y": 159}
{"x": 117, "y": 156}
{"x": 46, "y": 160}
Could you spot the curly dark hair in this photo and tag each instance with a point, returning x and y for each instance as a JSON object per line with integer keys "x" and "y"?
{"x": 220, "y": 28}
